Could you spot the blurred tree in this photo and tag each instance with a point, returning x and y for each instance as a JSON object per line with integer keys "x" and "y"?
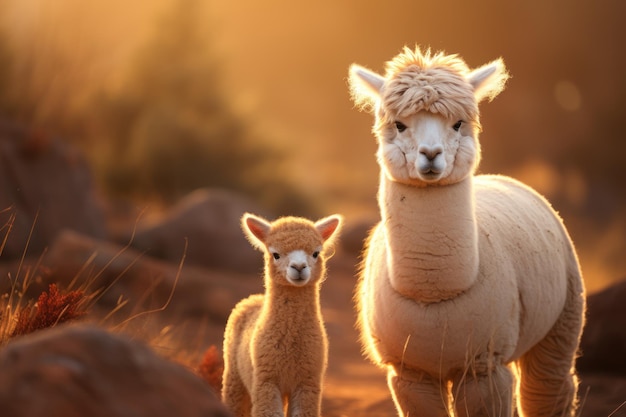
{"x": 45, "y": 73}
{"x": 171, "y": 129}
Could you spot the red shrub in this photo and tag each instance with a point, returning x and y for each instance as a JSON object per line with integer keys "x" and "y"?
{"x": 212, "y": 367}
{"x": 51, "y": 309}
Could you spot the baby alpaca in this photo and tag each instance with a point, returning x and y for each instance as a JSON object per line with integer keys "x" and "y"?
{"x": 275, "y": 345}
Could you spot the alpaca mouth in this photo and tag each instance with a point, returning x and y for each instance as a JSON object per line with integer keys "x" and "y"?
{"x": 430, "y": 176}
{"x": 298, "y": 281}
{"x": 429, "y": 167}
{"x": 429, "y": 173}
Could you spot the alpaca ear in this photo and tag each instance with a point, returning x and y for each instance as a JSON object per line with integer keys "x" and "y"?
{"x": 488, "y": 81}
{"x": 256, "y": 229}
{"x": 328, "y": 226}
{"x": 365, "y": 86}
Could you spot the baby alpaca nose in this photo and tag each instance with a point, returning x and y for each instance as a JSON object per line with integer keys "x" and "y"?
{"x": 430, "y": 152}
{"x": 298, "y": 267}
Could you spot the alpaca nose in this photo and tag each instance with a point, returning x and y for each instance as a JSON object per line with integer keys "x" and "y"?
{"x": 298, "y": 267}
{"x": 430, "y": 152}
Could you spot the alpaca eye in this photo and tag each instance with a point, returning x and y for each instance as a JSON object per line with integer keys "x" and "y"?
{"x": 400, "y": 126}
{"x": 316, "y": 254}
{"x": 457, "y": 125}
{"x": 276, "y": 255}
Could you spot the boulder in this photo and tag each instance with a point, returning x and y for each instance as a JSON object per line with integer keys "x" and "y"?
{"x": 143, "y": 283}
{"x": 209, "y": 220}
{"x": 82, "y": 370}
{"x": 603, "y": 343}
{"x": 46, "y": 186}
{"x": 355, "y": 234}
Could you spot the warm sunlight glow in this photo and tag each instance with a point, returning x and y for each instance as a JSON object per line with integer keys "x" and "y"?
{"x": 167, "y": 96}
{"x": 567, "y": 95}
{"x": 134, "y": 135}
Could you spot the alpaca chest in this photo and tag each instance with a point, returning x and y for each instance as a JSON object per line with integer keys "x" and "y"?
{"x": 443, "y": 337}
{"x": 289, "y": 351}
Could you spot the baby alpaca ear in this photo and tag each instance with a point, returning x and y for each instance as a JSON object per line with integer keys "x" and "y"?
{"x": 256, "y": 229}
{"x": 328, "y": 226}
{"x": 365, "y": 86}
{"x": 488, "y": 81}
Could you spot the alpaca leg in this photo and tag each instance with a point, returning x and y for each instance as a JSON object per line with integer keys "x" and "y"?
{"x": 416, "y": 394}
{"x": 548, "y": 381}
{"x": 306, "y": 401}
{"x": 488, "y": 394}
{"x": 267, "y": 400}
{"x": 235, "y": 395}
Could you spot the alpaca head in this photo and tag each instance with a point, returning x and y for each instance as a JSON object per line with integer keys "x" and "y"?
{"x": 426, "y": 109}
{"x": 294, "y": 247}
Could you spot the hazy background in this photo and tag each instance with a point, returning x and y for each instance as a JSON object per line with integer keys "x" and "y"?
{"x": 165, "y": 96}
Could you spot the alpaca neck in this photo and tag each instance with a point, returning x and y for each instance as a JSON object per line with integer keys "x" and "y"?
{"x": 296, "y": 303}
{"x": 431, "y": 238}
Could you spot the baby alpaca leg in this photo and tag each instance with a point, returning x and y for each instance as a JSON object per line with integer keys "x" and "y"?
{"x": 306, "y": 401}
{"x": 488, "y": 394}
{"x": 235, "y": 395}
{"x": 266, "y": 400}
{"x": 417, "y": 394}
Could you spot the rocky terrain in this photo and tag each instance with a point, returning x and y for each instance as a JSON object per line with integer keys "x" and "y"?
{"x": 158, "y": 294}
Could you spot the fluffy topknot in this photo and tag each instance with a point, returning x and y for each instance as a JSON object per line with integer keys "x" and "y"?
{"x": 417, "y": 80}
{"x": 294, "y": 233}
{"x": 290, "y": 233}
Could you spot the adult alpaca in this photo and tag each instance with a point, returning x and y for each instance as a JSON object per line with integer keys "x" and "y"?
{"x": 467, "y": 280}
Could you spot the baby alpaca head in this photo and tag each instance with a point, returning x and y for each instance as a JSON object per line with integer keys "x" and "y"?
{"x": 294, "y": 247}
{"x": 426, "y": 109}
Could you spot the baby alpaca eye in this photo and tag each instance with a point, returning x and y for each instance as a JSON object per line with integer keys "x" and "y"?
{"x": 275, "y": 255}
{"x": 316, "y": 254}
{"x": 400, "y": 126}
{"x": 457, "y": 125}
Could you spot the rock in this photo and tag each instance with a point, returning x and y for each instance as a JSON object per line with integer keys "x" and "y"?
{"x": 145, "y": 283}
{"x": 46, "y": 186}
{"x": 86, "y": 371}
{"x": 355, "y": 233}
{"x": 602, "y": 395}
{"x": 210, "y": 222}
{"x": 604, "y": 339}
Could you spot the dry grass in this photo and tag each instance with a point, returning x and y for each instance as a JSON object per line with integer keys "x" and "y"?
{"x": 21, "y": 315}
